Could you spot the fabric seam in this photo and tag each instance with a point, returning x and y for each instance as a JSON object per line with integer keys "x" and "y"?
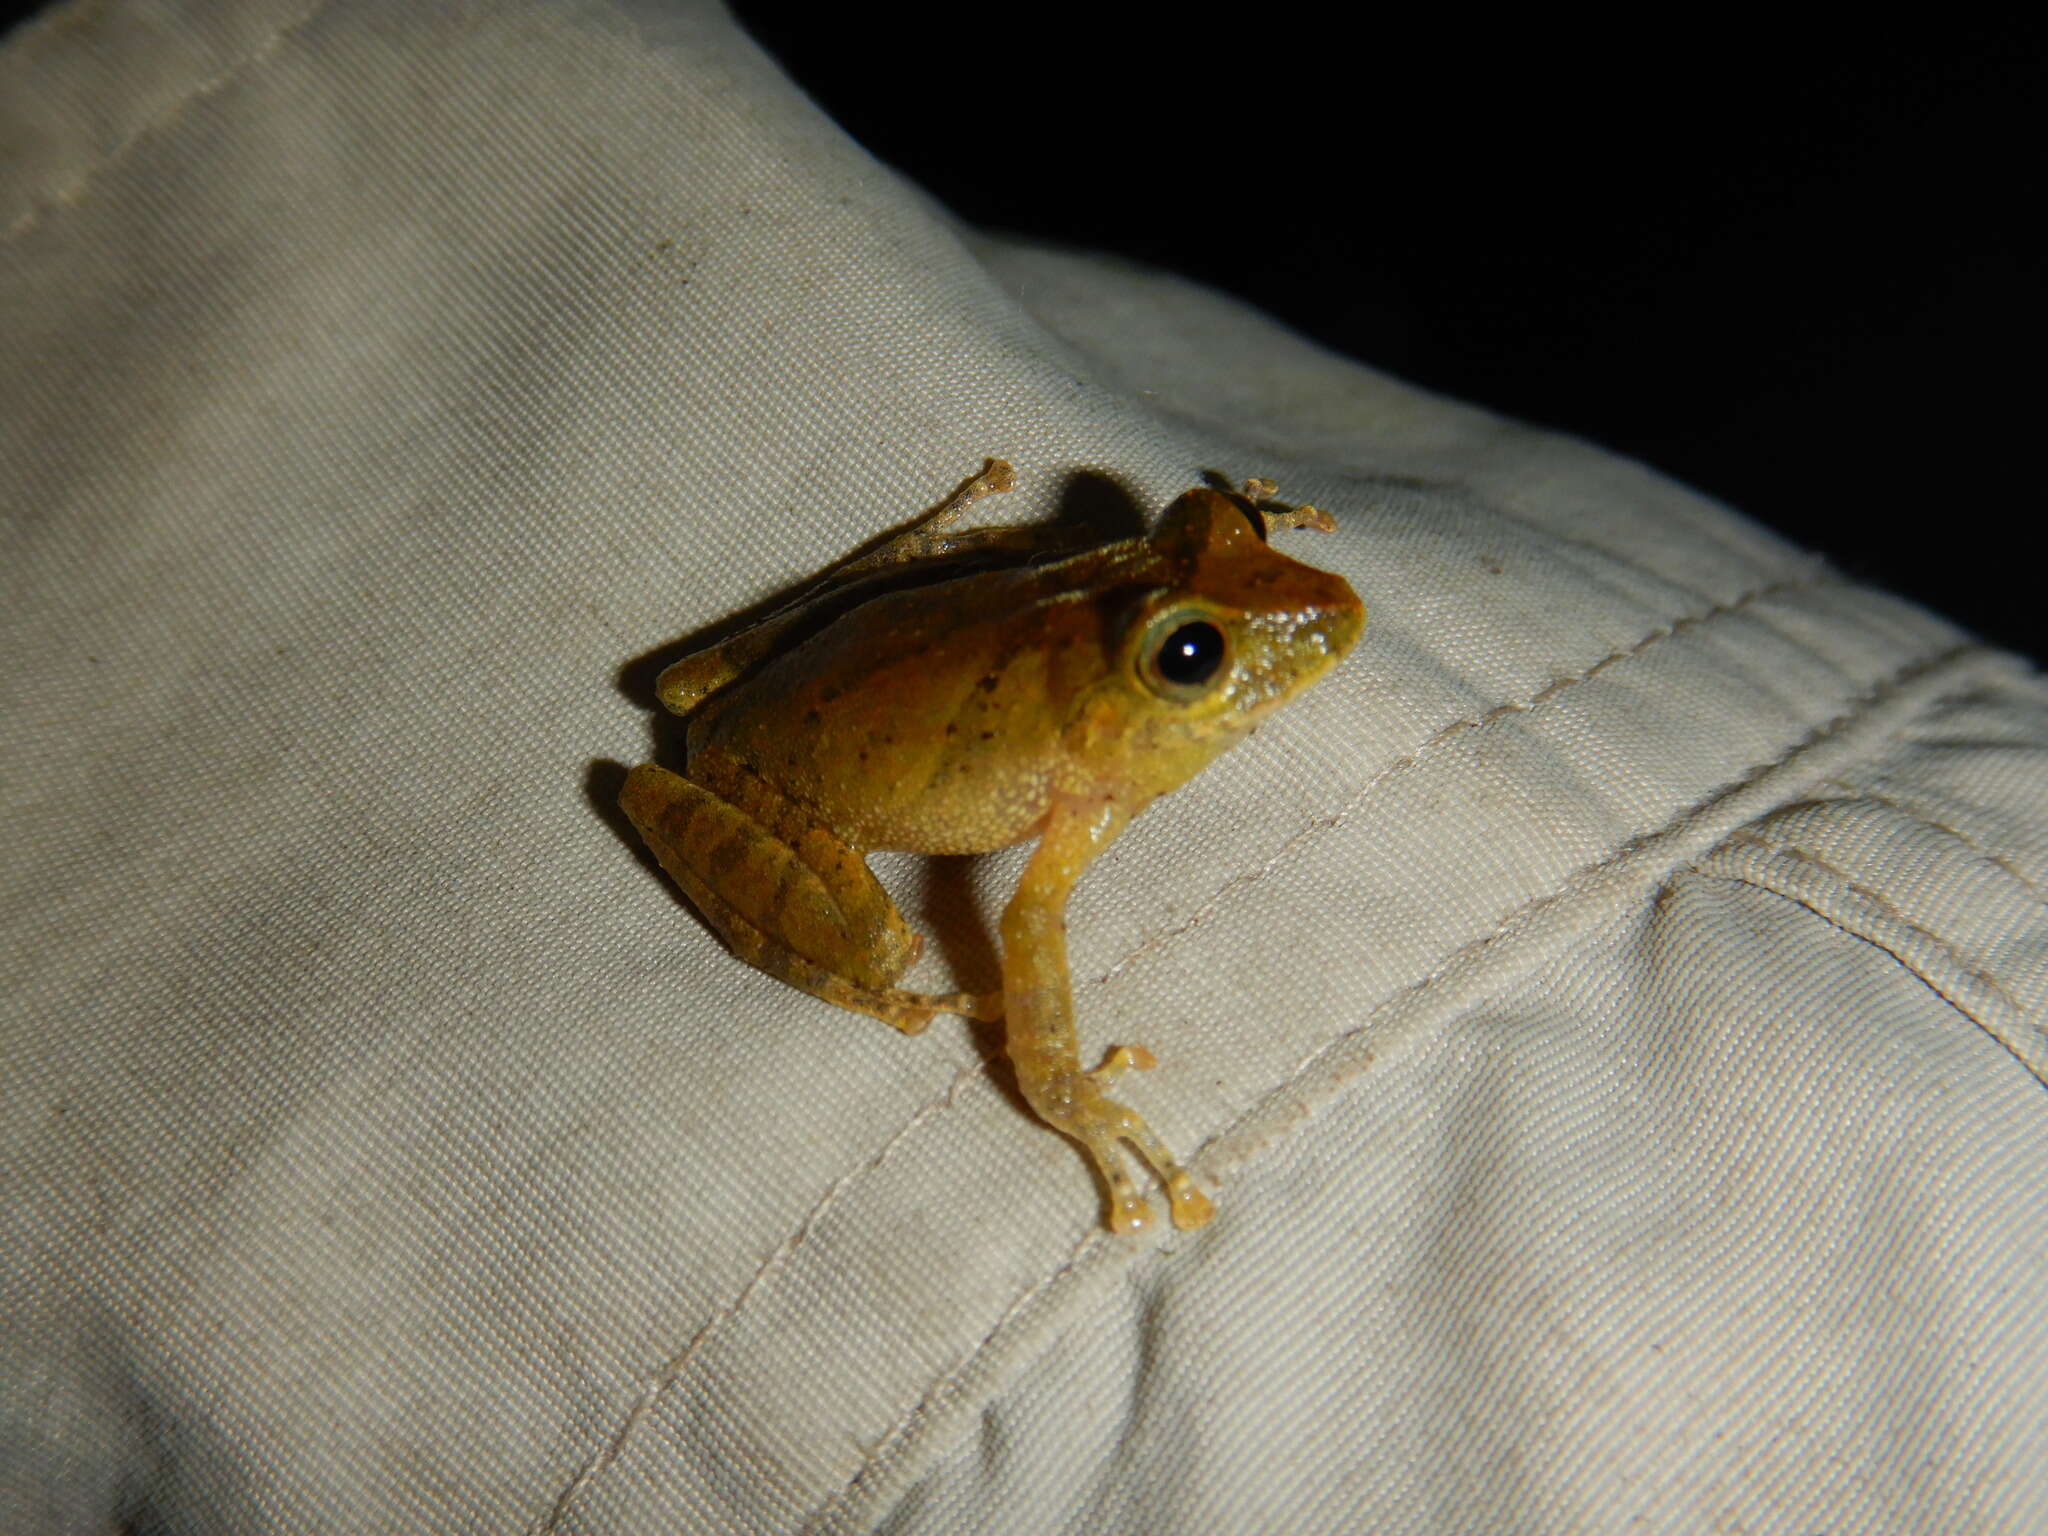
{"x": 614, "y": 1444}
{"x": 1863, "y": 934}
{"x": 892, "y": 1444}
{"x": 1920, "y": 818}
{"x": 1807, "y": 582}
{"x": 1844, "y": 882}
{"x": 70, "y": 192}
{"x": 660, "y": 1380}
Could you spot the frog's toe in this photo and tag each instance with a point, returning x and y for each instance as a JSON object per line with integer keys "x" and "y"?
{"x": 1129, "y": 1211}
{"x": 912, "y": 1011}
{"x": 911, "y": 1018}
{"x": 1191, "y": 1208}
{"x": 1125, "y": 1058}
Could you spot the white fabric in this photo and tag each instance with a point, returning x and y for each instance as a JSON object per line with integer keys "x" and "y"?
{"x": 1608, "y": 1009}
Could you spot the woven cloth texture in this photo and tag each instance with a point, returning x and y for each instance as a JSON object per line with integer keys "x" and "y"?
{"x": 1608, "y": 1008}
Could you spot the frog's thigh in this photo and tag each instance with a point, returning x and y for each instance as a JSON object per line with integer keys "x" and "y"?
{"x": 829, "y": 905}
{"x": 787, "y": 896}
{"x": 781, "y": 876}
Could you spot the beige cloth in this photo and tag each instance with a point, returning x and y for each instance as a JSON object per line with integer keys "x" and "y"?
{"x": 1608, "y": 1008}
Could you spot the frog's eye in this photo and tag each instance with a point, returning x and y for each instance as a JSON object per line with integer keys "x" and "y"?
{"x": 1182, "y": 655}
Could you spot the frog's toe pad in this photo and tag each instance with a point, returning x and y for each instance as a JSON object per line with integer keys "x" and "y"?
{"x": 1191, "y": 1208}
{"x": 1125, "y": 1058}
{"x": 1129, "y": 1213}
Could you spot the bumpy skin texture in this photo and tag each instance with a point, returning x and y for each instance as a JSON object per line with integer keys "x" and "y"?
{"x": 1053, "y": 701}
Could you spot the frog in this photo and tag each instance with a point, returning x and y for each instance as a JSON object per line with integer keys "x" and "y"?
{"x": 1043, "y": 688}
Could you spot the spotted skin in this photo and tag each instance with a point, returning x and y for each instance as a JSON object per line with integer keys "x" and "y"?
{"x": 1051, "y": 701}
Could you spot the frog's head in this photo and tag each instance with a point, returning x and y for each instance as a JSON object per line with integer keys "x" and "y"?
{"x": 1232, "y": 629}
{"x": 1242, "y": 627}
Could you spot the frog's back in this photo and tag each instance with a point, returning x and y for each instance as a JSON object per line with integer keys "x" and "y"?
{"x": 927, "y": 719}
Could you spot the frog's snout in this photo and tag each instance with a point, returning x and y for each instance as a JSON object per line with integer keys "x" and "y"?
{"x": 1334, "y": 617}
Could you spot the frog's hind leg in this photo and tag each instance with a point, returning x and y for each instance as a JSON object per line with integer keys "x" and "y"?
{"x": 691, "y": 679}
{"x": 928, "y": 536}
{"x": 786, "y": 895}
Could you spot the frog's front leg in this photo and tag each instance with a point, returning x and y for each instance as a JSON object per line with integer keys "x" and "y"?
{"x": 786, "y": 894}
{"x": 1039, "y": 1027}
{"x": 1260, "y": 493}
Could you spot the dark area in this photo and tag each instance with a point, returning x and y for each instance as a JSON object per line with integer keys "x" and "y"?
{"x": 1791, "y": 266}
{"x": 1787, "y": 267}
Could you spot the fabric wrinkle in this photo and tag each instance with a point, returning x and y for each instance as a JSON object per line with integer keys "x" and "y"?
{"x": 72, "y": 191}
{"x": 1295, "y": 1091}
{"x": 1594, "y": 1006}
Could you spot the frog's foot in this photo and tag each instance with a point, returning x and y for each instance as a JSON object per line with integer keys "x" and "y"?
{"x": 912, "y": 1011}
{"x": 1082, "y": 1110}
{"x": 908, "y": 1011}
{"x": 1260, "y": 491}
{"x": 996, "y": 477}
{"x": 1125, "y": 1058}
{"x": 929, "y": 536}
{"x": 933, "y": 536}
{"x": 984, "y": 1006}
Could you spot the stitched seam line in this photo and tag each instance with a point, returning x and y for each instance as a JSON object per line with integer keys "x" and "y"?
{"x": 70, "y": 192}
{"x": 1522, "y": 915}
{"x": 644, "y": 1404}
{"x": 1819, "y": 576}
{"x": 1920, "y": 818}
{"x": 1792, "y": 852}
{"x": 892, "y": 1444}
{"x": 1861, "y": 935}
{"x": 668, "y": 1374}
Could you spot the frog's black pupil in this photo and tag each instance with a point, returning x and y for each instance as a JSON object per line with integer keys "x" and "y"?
{"x": 1191, "y": 654}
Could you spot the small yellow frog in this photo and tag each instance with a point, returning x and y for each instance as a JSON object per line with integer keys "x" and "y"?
{"x": 1053, "y": 701}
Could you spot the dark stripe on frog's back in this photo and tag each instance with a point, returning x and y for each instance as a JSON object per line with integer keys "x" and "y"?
{"x": 928, "y": 719}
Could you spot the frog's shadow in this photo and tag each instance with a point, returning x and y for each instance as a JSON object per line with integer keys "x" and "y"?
{"x": 1093, "y": 504}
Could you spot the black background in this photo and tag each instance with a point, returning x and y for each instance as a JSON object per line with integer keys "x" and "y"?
{"x": 1793, "y": 267}
{"x": 1786, "y": 268}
